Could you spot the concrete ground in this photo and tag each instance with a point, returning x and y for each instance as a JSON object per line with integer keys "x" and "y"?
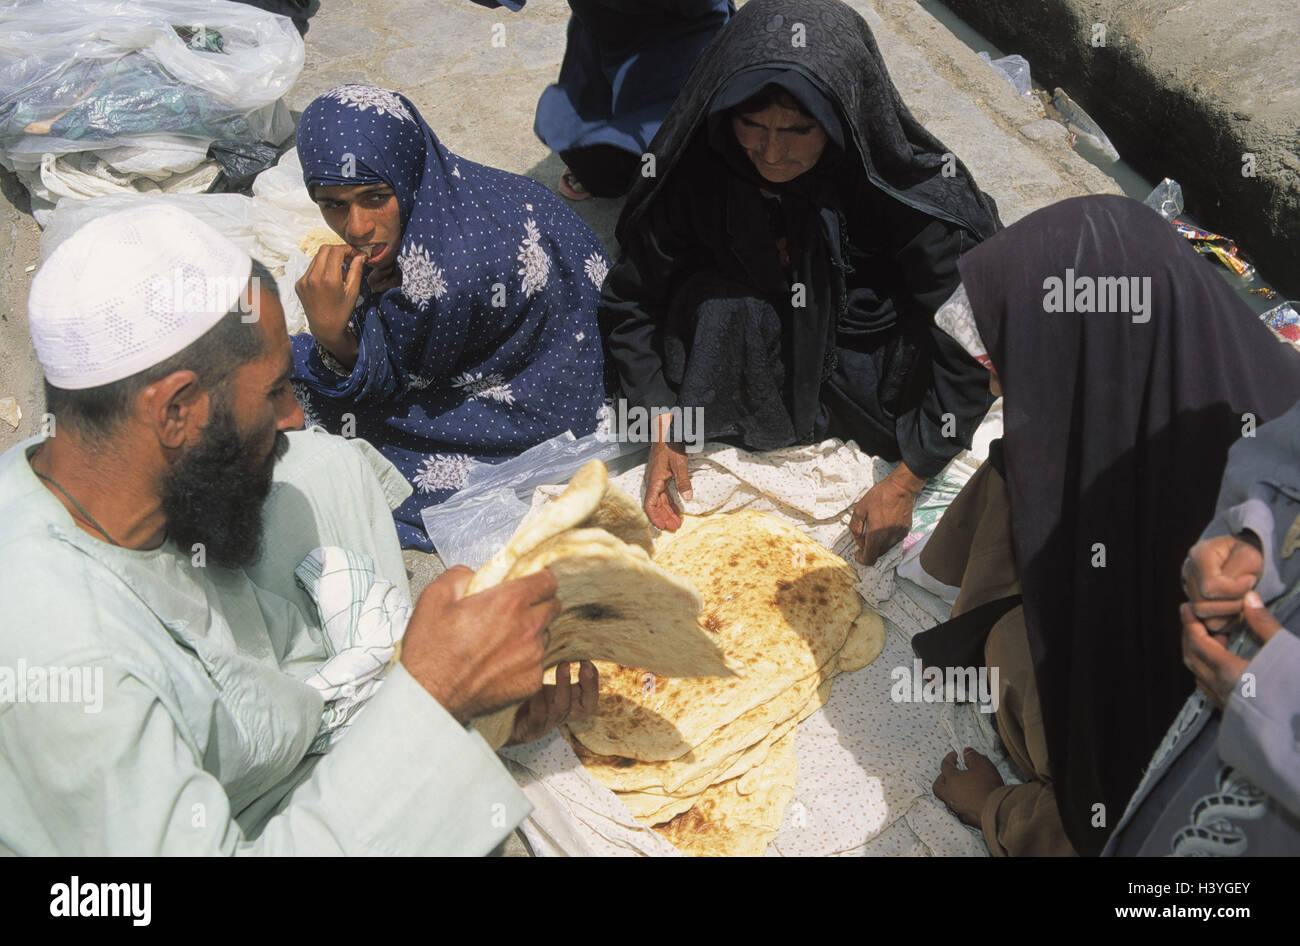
{"x": 479, "y": 98}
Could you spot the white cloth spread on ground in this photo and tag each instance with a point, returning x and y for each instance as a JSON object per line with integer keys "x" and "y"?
{"x": 866, "y": 763}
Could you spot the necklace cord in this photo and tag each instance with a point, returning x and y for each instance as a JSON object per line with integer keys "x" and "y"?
{"x": 76, "y": 505}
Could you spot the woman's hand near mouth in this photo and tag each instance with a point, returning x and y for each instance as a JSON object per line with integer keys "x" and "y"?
{"x": 384, "y": 274}
{"x": 329, "y": 295}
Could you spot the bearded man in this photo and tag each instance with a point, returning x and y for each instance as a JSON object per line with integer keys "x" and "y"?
{"x": 148, "y": 548}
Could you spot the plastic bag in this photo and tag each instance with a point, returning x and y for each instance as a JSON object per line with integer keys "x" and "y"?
{"x": 285, "y": 211}
{"x": 283, "y": 214}
{"x": 1015, "y": 69}
{"x": 86, "y": 175}
{"x": 472, "y": 525}
{"x": 241, "y": 161}
{"x": 1083, "y": 130}
{"x": 148, "y": 75}
{"x": 228, "y": 214}
{"x": 1166, "y": 199}
{"x": 1285, "y": 321}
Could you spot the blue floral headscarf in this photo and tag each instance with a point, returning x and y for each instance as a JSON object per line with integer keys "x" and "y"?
{"x": 490, "y": 344}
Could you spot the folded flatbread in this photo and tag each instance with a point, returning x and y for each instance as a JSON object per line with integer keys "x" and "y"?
{"x": 617, "y": 605}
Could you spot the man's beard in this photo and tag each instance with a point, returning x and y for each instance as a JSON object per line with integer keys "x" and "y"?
{"x": 213, "y": 496}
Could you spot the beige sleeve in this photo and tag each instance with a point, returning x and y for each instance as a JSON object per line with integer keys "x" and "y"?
{"x": 1024, "y": 821}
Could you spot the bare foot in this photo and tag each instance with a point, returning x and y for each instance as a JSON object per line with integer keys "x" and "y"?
{"x": 965, "y": 792}
{"x": 571, "y": 187}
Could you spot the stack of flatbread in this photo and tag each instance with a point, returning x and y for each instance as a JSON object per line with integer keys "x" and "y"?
{"x": 616, "y": 604}
{"x": 713, "y": 642}
{"x": 710, "y": 762}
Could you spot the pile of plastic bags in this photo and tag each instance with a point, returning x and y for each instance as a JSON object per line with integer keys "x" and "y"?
{"x": 141, "y": 96}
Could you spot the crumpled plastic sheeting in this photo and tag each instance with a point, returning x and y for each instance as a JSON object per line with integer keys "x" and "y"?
{"x": 145, "y": 87}
{"x": 866, "y": 763}
{"x": 283, "y": 213}
{"x": 85, "y": 176}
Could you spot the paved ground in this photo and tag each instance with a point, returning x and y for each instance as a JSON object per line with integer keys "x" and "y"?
{"x": 479, "y": 98}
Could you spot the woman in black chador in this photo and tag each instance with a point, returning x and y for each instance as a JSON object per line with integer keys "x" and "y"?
{"x": 782, "y": 259}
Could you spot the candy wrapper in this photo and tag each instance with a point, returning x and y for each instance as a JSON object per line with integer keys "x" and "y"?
{"x": 1284, "y": 320}
{"x": 1227, "y": 255}
{"x": 1216, "y": 245}
{"x": 1198, "y": 235}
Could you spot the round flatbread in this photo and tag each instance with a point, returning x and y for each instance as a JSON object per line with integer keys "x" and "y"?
{"x": 780, "y": 606}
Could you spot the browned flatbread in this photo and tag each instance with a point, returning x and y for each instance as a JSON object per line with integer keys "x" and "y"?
{"x": 780, "y": 606}
{"x": 727, "y": 822}
{"x": 616, "y": 604}
{"x": 710, "y": 762}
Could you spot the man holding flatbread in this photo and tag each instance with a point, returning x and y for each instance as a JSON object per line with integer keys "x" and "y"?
{"x": 160, "y": 656}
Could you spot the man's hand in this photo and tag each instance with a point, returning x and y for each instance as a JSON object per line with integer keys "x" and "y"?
{"x": 479, "y": 653}
{"x": 1218, "y": 671}
{"x": 882, "y": 518}
{"x": 328, "y": 297}
{"x": 667, "y": 464}
{"x": 561, "y": 702}
{"x": 1216, "y": 574}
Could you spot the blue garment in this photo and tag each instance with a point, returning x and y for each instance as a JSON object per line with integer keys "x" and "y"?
{"x": 489, "y": 345}
{"x": 624, "y": 63}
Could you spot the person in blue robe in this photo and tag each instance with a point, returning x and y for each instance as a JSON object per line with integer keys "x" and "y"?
{"x": 624, "y": 64}
{"x": 459, "y": 321}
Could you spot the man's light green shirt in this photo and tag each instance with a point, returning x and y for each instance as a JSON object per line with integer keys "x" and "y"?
{"x": 197, "y": 744}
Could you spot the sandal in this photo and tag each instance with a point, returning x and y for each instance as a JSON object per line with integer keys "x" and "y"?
{"x": 571, "y": 188}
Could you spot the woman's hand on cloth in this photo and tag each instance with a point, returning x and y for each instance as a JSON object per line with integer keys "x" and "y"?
{"x": 1217, "y": 670}
{"x": 883, "y": 517}
{"x": 558, "y": 703}
{"x": 328, "y": 296}
{"x": 479, "y": 653}
{"x": 966, "y": 791}
{"x": 667, "y": 464}
{"x": 1217, "y": 573}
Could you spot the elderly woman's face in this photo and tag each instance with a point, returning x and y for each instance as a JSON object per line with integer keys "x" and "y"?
{"x": 781, "y": 142}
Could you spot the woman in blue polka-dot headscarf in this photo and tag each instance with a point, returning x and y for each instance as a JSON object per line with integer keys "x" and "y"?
{"x": 473, "y": 332}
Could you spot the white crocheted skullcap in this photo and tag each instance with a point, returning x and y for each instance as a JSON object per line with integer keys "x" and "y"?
{"x": 128, "y": 290}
